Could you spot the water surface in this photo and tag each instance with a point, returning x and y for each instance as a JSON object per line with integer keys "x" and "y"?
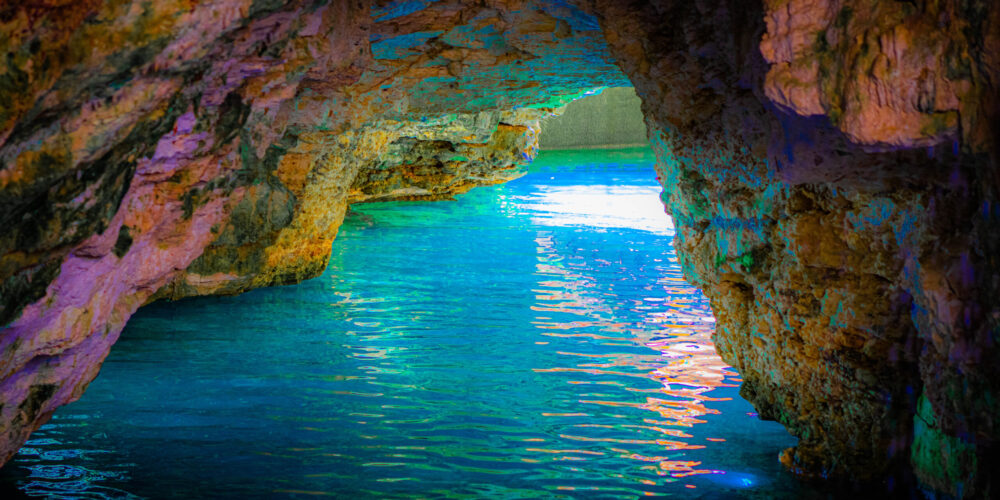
{"x": 533, "y": 339}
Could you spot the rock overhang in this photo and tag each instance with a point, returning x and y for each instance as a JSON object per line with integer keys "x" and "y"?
{"x": 838, "y": 216}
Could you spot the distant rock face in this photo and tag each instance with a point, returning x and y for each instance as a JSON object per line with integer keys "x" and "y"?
{"x": 830, "y": 166}
{"x": 612, "y": 118}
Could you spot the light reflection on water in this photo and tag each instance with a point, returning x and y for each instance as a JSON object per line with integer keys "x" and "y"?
{"x": 534, "y": 339}
{"x": 676, "y": 324}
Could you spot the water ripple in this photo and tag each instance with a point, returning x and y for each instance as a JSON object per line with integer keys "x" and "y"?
{"x": 531, "y": 340}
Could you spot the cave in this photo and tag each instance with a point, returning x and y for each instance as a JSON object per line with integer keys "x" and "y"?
{"x": 830, "y": 168}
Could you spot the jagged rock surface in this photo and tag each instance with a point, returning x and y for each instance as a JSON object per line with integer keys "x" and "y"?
{"x": 830, "y": 166}
{"x": 175, "y": 148}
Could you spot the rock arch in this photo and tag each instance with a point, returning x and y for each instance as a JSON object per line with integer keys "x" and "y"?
{"x": 830, "y": 166}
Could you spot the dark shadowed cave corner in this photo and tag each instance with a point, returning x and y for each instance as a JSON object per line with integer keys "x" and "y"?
{"x": 831, "y": 168}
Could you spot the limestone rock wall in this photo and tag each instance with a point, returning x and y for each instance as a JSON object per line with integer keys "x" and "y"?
{"x": 830, "y": 167}
{"x": 173, "y": 148}
{"x": 282, "y": 231}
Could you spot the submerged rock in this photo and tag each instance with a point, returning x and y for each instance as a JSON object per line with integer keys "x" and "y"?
{"x": 829, "y": 165}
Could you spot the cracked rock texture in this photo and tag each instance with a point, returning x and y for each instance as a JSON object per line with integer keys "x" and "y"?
{"x": 831, "y": 169}
{"x": 830, "y": 166}
{"x": 175, "y": 148}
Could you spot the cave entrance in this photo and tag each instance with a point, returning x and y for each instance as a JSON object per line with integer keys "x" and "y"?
{"x": 531, "y": 336}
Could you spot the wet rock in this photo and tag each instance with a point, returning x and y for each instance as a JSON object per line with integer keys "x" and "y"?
{"x": 849, "y": 264}
{"x": 167, "y": 149}
{"x": 830, "y": 166}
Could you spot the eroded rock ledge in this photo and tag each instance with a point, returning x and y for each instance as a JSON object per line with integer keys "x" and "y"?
{"x": 830, "y": 166}
{"x": 167, "y": 149}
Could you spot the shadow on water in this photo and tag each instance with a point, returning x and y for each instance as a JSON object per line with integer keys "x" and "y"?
{"x": 534, "y": 339}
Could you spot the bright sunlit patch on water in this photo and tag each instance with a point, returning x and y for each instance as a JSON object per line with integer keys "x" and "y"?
{"x": 530, "y": 340}
{"x": 600, "y": 206}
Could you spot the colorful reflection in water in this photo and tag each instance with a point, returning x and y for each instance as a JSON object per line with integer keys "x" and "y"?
{"x": 531, "y": 340}
{"x": 676, "y": 323}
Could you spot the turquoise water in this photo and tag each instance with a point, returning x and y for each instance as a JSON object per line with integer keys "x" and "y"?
{"x": 533, "y": 339}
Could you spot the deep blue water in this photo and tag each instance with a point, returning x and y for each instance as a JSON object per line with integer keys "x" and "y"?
{"x": 533, "y": 339}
